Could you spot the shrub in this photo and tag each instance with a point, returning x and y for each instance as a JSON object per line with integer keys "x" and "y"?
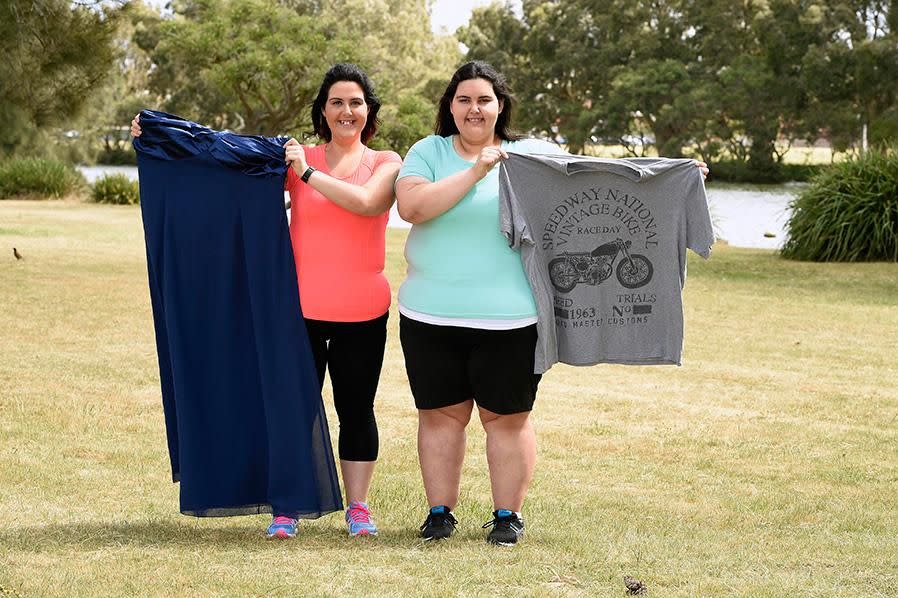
{"x": 38, "y": 177}
{"x": 116, "y": 189}
{"x": 117, "y": 156}
{"x": 801, "y": 172}
{"x": 849, "y": 212}
{"x": 734, "y": 171}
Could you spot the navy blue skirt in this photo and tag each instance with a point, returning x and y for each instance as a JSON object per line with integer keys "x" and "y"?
{"x": 246, "y": 426}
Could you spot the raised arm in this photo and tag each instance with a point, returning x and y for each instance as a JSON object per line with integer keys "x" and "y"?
{"x": 371, "y": 199}
{"x": 420, "y": 200}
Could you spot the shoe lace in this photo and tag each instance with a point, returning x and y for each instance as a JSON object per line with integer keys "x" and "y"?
{"x": 359, "y": 514}
{"x": 500, "y": 522}
{"x": 438, "y": 519}
{"x": 283, "y": 520}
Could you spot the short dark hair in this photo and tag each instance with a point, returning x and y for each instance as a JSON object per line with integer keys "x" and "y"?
{"x": 345, "y": 71}
{"x": 477, "y": 69}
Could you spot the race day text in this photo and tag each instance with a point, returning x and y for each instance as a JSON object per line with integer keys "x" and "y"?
{"x": 570, "y": 217}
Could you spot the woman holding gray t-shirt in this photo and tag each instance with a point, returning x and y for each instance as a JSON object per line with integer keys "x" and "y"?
{"x": 467, "y": 314}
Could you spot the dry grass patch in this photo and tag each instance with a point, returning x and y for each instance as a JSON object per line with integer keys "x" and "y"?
{"x": 766, "y": 465}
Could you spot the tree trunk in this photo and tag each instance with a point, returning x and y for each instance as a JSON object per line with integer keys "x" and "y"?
{"x": 761, "y": 164}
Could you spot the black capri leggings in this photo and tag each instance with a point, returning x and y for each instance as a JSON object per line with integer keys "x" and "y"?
{"x": 354, "y": 354}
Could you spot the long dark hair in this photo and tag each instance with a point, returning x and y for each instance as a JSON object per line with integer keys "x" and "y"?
{"x": 345, "y": 71}
{"x": 477, "y": 69}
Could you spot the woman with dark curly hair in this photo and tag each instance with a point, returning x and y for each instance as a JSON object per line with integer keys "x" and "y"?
{"x": 341, "y": 192}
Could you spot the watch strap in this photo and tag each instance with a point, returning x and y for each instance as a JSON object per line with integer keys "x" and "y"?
{"x": 305, "y": 176}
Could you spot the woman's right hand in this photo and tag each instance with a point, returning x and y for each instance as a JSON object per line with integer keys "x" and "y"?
{"x": 295, "y": 155}
{"x": 487, "y": 160}
{"x": 135, "y": 126}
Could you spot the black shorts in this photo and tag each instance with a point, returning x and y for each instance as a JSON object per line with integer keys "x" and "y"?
{"x": 447, "y": 365}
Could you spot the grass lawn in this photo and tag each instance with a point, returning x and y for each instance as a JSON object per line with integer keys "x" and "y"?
{"x": 766, "y": 466}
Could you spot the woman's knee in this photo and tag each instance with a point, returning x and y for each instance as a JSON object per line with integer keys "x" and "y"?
{"x": 510, "y": 421}
{"x": 457, "y": 415}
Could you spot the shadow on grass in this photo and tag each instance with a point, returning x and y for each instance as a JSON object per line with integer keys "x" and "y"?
{"x": 311, "y": 536}
{"x": 160, "y": 533}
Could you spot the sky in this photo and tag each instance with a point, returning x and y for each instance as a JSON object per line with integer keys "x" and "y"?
{"x": 446, "y": 15}
{"x": 452, "y": 14}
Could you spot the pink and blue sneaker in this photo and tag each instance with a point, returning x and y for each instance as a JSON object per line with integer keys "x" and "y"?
{"x": 358, "y": 517}
{"x": 282, "y": 527}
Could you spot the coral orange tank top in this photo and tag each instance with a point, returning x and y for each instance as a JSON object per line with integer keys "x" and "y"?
{"x": 339, "y": 254}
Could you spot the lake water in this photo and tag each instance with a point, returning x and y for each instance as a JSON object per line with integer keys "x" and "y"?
{"x": 744, "y": 216}
{"x": 752, "y": 216}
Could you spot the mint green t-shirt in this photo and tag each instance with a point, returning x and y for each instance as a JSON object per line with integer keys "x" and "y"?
{"x": 459, "y": 263}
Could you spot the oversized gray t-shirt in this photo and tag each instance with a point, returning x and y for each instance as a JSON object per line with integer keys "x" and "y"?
{"x": 604, "y": 246}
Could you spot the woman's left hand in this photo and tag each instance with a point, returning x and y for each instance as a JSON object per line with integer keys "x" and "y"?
{"x": 295, "y": 155}
{"x": 703, "y": 167}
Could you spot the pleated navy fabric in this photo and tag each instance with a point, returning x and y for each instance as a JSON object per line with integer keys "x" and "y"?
{"x": 246, "y": 426}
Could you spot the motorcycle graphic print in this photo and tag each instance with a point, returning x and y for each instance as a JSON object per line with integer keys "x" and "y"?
{"x": 594, "y": 267}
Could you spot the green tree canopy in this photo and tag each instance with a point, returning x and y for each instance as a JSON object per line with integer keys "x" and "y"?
{"x": 690, "y": 76}
{"x": 248, "y": 66}
{"x": 254, "y": 66}
{"x": 54, "y": 54}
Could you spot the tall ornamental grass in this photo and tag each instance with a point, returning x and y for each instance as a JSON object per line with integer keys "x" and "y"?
{"x": 116, "y": 189}
{"x": 39, "y": 178}
{"x": 849, "y": 213}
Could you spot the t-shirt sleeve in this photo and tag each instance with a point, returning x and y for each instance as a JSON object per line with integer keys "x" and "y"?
{"x": 511, "y": 221}
{"x": 699, "y": 229}
{"x": 419, "y": 161}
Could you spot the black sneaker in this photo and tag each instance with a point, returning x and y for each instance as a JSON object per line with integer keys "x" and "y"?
{"x": 440, "y": 523}
{"x": 508, "y": 527}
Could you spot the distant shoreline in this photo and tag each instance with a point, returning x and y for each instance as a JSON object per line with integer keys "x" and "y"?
{"x": 744, "y": 215}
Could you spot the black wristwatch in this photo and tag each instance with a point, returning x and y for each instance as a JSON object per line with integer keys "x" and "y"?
{"x": 305, "y": 176}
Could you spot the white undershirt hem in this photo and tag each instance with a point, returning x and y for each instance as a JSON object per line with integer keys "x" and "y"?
{"x": 482, "y": 324}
